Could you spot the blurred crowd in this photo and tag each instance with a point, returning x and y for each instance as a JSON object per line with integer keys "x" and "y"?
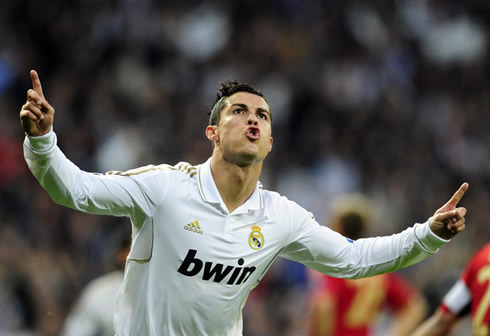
{"x": 387, "y": 98}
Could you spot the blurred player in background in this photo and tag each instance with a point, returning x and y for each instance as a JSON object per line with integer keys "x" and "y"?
{"x": 470, "y": 294}
{"x": 93, "y": 313}
{"x": 341, "y": 307}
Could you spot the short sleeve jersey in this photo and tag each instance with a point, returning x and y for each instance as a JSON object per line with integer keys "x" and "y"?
{"x": 473, "y": 289}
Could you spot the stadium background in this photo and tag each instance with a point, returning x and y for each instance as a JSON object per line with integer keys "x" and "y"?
{"x": 387, "y": 98}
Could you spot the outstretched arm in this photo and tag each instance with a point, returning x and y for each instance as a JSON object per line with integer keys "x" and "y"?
{"x": 330, "y": 253}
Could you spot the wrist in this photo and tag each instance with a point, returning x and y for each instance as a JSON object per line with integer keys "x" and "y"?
{"x": 429, "y": 240}
{"x": 41, "y": 143}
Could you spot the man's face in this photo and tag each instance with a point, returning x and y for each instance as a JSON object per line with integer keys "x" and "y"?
{"x": 243, "y": 134}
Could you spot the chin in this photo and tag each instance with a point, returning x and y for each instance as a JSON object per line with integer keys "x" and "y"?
{"x": 244, "y": 159}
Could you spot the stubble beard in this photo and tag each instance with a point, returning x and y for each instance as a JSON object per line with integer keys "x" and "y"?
{"x": 242, "y": 158}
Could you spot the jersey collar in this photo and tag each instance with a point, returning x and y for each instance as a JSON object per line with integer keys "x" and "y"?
{"x": 210, "y": 193}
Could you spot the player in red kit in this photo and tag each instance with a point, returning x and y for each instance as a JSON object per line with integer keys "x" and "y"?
{"x": 471, "y": 291}
{"x": 351, "y": 307}
{"x": 342, "y": 307}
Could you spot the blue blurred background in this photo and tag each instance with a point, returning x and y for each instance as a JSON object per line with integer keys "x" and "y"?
{"x": 387, "y": 98}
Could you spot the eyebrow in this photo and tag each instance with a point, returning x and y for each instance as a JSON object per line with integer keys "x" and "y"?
{"x": 245, "y": 106}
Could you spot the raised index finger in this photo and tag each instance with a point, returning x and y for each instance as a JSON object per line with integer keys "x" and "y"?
{"x": 36, "y": 83}
{"x": 458, "y": 195}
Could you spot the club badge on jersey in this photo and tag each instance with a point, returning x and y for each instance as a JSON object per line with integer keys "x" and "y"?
{"x": 256, "y": 238}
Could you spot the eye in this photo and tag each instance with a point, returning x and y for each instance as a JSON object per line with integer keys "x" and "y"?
{"x": 263, "y": 115}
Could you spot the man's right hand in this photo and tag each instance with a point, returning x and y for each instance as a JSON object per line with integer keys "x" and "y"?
{"x": 36, "y": 115}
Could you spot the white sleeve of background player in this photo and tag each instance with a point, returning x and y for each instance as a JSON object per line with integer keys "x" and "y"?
{"x": 92, "y": 193}
{"x": 458, "y": 297}
{"x": 331, "y": 253}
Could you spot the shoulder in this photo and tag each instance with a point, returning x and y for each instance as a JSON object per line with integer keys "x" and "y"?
{"x": 279, "y": 206}
{"x": 296, "y": 220}
{"x": 484, "y": 253}
{"x": 480, "y": 259}
{"x": 102, "y": 290}
{"x": 275, "y": 200}
{"x": 106, "y": 283}
{"x": 180, "y": 170}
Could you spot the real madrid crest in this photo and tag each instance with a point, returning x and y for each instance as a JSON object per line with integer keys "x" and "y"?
{"x": 256, "y": 238}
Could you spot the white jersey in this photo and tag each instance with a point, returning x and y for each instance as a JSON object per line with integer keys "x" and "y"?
{"x": 192, "y": 263}
{"x": 93, "y": 314}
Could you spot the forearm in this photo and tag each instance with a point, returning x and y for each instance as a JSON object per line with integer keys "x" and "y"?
{"x": 439, "y": 324}
{"x": 330, "y": 253}
{"x": 391, "y": 253}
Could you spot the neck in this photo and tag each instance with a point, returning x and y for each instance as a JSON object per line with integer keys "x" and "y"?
{"x": 235, "y": 184}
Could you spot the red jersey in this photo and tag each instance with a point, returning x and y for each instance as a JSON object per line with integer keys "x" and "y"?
{"x": 358, "y": 302}
{"x": 473, "y": 289}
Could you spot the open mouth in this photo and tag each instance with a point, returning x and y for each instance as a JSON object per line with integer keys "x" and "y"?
{"x": 253, "y": 133}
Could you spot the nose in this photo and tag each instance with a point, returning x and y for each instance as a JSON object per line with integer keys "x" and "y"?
{"x": 252, "y": 119}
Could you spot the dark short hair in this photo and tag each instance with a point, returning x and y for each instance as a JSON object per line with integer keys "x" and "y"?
{"x": 353, "y": 213}
{"x": 353, "y": 225}
{"x": 225, "y": 90}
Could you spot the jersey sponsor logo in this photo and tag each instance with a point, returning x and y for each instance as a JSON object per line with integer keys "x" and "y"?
{"x": 256, "y": 238}
{"x": 194, "y": 227}
{"x": 233, "y": 275}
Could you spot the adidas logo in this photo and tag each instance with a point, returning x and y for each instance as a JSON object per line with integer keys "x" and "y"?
{"x": 194, "y": 227}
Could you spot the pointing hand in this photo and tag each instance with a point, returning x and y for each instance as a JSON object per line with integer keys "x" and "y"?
{"x": 36, "y": 115}
{"x": 448, "y": 221}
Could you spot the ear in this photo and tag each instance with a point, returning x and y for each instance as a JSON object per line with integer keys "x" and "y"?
{"x": 270, "y": 145}
{"x": 212, "y": 133}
